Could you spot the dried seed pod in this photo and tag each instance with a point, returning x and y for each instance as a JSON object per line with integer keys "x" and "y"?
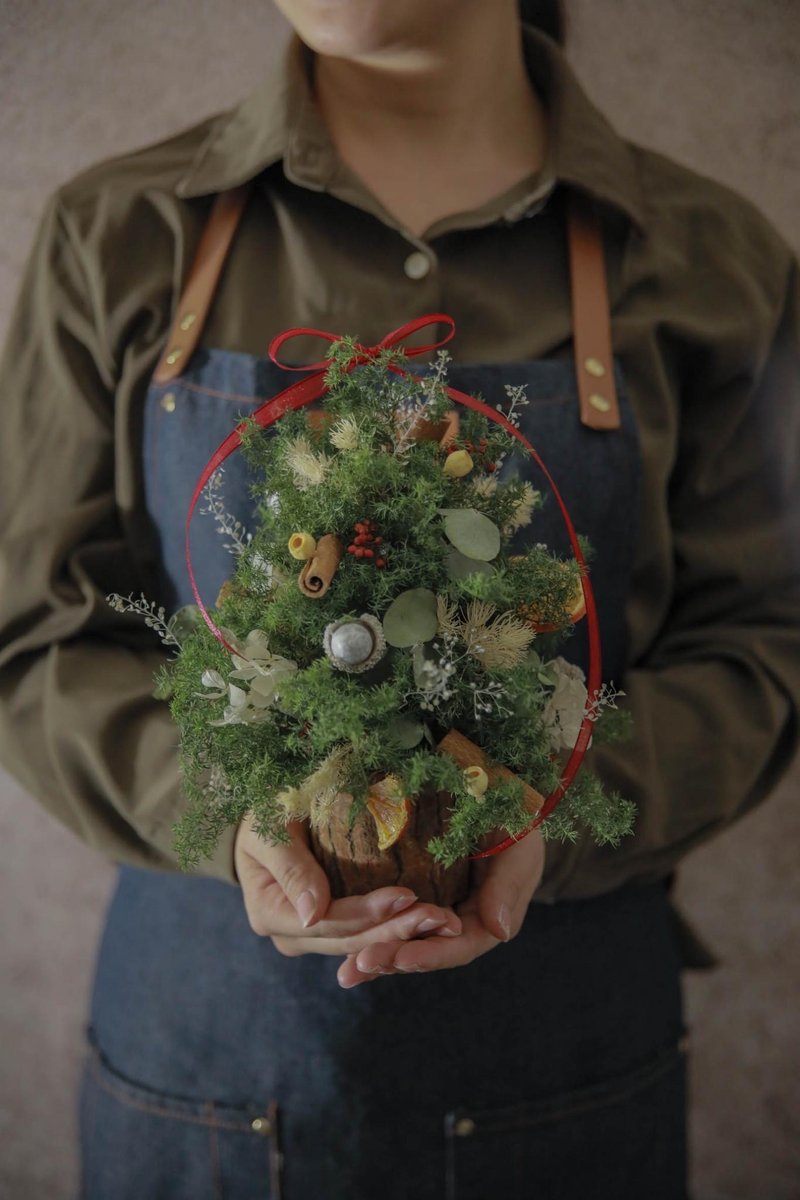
{"x": 458, "y": 464}
{"x": 302, "y": 545}
{"x": 476, "y": 780}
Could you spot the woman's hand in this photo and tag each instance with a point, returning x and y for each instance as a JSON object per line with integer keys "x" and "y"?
{"x": 502, "y": 888}
{"x": 287, "y": 897}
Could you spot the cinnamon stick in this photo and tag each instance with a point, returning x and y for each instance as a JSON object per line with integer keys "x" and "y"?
{"x": 443, "y": 431}
{"x": 317, "y": 573}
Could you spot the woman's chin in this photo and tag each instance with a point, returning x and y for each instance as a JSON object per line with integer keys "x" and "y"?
{"x": 345, "y": 29}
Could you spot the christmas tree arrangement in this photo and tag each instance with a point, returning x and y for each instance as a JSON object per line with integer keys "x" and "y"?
{"x": 385, "y": 662}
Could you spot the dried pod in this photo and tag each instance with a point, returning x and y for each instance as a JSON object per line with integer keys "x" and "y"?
{"x": 476, "y": 780}
{"x": 302, "y": 545}
{"x": 458, "y": 464}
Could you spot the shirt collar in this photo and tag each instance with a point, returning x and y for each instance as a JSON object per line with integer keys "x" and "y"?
{"x": 279, "y": 120}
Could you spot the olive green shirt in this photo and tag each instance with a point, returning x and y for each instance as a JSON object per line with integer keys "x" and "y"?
{"x": 704, "y": 296}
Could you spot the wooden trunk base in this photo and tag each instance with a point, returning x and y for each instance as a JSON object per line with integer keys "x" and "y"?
{"x": 354, "y": 864}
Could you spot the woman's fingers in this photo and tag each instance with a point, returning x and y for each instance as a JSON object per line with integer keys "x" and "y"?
{"x": 434, "y": 953}
{"x": 509, "y": 881}
{"x": 287, "y": 897}
{"x": 422, "y": 921}
{"x": 494, "y": 911}
{"x": 275, "y": 878}
{"x": 293, "y": 868}
{"x": 394, "y": 910}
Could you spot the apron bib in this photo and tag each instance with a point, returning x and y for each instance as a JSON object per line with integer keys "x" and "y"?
{"x": 220, "y": 1068}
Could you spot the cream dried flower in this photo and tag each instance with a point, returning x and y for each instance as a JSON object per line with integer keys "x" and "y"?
{"x": 324, "y": 784}
{"x": 447, "y": 616}
{"x": 346, "y": 434}
{"x": 294, "y": 803}
{"x": 523, "y": 509}
{"x": 501, "y": 642}
{"x": 325, "y": 805}
{"x": 476, "y": 622}
{"x": 484, "y": 485}
{"x": 308, "y": 466}
{"x": 318, "y": 791}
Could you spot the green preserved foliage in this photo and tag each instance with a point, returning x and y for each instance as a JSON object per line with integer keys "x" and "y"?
{"x": 474, "y": 666}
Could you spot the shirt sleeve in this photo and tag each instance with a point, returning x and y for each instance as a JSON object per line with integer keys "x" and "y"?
{"x": 79, "y": 726}
{"x": 715, "y": 700}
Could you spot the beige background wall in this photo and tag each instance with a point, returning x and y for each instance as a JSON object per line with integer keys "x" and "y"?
{"x": 715, "y": 83}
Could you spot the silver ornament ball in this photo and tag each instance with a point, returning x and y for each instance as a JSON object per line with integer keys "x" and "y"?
{"x": 352, "y": 642}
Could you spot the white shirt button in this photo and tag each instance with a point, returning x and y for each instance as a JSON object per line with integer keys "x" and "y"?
{"x": 417, "y": 265}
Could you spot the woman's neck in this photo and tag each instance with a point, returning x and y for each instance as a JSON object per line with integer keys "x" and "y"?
{"x": 460, "y": 90}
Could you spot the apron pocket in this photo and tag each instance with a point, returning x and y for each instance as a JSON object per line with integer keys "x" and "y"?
{"x": 138, "y": 1142}
{"x": 623, "y": 1138}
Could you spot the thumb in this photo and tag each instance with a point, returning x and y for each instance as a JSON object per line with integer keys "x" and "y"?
{"x": 511, "y": 879}
{"x": 297, "y": 873}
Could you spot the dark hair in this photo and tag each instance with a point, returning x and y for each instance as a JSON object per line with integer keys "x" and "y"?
{"x": 547, "y": 15}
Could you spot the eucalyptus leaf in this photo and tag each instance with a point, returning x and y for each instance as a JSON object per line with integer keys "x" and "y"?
{"x": 458, "y": 566}
{"x": 411, "y": 618}
{"x": 407, "y": 731}
{"x": 471, "y": 532}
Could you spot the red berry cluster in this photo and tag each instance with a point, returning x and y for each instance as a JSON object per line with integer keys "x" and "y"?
{"x": 364, "y": 543}
{"x": 477, "y": 452}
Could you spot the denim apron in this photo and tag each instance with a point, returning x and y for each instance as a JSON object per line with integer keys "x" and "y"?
{"x": 551, "y": 1067}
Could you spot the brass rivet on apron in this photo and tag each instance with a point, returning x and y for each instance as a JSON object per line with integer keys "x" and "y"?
{"x": 464, "y": 1127}
{"x": 168, "y": 402}
{"x": 188, "y": 321}
{"x": 599, "y": 402}
{"x": 174, "y": 354}
{"x": 594, "y": 367}
{"x": 261, "y": 1125}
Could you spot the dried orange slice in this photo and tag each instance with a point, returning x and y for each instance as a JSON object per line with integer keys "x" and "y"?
{"x": 576, "y": 610}
{"x": 390, "y": 808}
{"x": 578, "y": 606}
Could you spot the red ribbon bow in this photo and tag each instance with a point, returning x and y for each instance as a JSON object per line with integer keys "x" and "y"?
{"x": 304, "y": 392}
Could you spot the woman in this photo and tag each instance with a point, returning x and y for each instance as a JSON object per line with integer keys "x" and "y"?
{"x": 405, "y": 159}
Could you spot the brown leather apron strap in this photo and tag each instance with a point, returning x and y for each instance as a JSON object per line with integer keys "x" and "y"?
{"x": 591, "y": 316}
{"x": 198, "y": 293}
{"x": 591, "y": 319}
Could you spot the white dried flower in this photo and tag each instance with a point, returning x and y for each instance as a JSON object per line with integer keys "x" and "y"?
{"x": 566, "y": 707}
{"x": 217, "y": 685}
{"x": 257, "y": 666}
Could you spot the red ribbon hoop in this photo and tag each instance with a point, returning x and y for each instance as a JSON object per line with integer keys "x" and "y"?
{"x": 304, "y": 392}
